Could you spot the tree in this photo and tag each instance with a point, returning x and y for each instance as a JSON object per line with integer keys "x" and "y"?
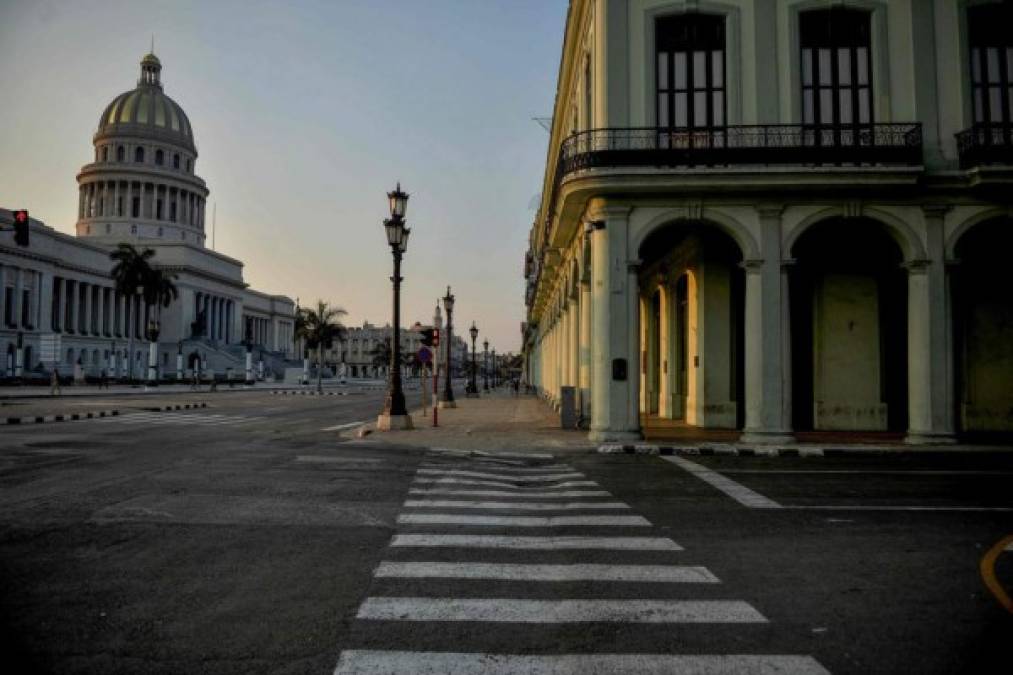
{"x": 130, "y": 273}
{"x": 319, "y": 328}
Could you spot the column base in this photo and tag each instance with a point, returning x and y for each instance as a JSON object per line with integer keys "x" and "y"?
{"x": 610, "y": 436}
{"x": 447, "y": 404}
{"x": 930, "y": 438}
{"x": 385, "y": 422}
{"x": 767, "y": 436}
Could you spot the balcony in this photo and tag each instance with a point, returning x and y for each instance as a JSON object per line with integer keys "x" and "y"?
{"x": 985, "y": 144}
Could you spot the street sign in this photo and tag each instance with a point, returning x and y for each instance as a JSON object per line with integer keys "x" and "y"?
{"x": 425, "y": 356}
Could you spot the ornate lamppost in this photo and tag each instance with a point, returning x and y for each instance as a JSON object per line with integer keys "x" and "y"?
{"x": 472, "y": 390}
{"x": 447, "y": 399}
{"x": 395, "y": 414}
{"x": 485, "y": 366}
{"x": 495, "y": 370}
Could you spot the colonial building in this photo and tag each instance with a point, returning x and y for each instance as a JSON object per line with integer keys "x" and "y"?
{"x": 358, "y": 351}
{"x": 779, "y": 216}
{"x": 59, "y": 302}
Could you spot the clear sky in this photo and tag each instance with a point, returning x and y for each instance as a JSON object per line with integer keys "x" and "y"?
{"x": 305, "y": 114}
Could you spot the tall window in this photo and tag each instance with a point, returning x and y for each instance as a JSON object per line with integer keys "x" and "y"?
{"x": 139, "y": 155}
{"x": 159, "y": 157}
{"x": 135, "y": 207}
{"x": 588, "y": 117}
{"x": 991, "y": 62}
{"x": 690, "y": 59}
{"x": 119, "y": 153}
{"x": 836, "y": 74}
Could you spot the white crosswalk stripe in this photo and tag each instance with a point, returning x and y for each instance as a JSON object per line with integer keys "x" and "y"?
{"x": 367, "y": 662}
{"x": 445, "y": 506}
{"x": 156, "y": 418}
{"x": 519, "y": 506}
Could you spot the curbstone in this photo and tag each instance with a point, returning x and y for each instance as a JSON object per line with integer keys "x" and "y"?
{"x": 64, "y": 417}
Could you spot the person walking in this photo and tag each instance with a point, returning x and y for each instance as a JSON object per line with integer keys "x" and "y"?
{"x": 103, "y": 380}
{"x": 54, "y": 383}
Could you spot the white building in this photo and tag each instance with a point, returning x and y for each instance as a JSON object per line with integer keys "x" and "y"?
{"x": 357, "y": 350}
{"x": 141, "y": 189}
{"x": 779, "y": 216}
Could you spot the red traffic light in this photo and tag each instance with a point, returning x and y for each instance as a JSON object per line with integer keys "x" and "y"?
{"x": 21, "y": 227}
{"x": 21, "y": 216}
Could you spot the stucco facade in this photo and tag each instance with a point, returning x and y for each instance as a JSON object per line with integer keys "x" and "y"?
{"x": 778, "y": 216}
{"x": 59, "y": 305}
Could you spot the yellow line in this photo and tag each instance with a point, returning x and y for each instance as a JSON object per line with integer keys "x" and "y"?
{"x": 988, "y": 573}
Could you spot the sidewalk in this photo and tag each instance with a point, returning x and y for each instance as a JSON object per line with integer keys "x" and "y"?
{"x": 495, "y": 422}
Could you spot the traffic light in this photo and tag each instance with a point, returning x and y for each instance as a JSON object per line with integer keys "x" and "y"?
{"x": 21, "y": 227}
{"x": 430, "y": 337}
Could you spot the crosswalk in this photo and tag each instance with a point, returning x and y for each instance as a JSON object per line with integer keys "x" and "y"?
{"x": 494, "y": 552}
{"x": 171, "y": 418}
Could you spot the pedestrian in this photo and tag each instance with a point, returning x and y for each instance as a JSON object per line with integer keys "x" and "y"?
{"x": 54, "y": 383}
{"x": 517, "y": 388}
{"x": 103, "y": 380}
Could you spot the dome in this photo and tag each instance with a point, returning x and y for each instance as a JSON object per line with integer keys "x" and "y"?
{"x": 147, "y": 106}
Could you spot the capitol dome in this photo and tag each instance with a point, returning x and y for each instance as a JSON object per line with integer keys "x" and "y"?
{"x": 143, "y": 184}
{"x": 146, "y": 109}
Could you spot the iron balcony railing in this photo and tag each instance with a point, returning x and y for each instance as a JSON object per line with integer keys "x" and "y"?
{"x": 762, "y": 145}
{"x": 985, "y": 144}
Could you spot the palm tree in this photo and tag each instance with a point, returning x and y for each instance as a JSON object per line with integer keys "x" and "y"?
{"x": 129, "y": 273}
{"x": 319, "y": 328}
{"x": 159, "y": 291}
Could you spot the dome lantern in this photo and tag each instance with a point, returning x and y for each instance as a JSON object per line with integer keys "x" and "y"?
{"x": 151, "y": 69}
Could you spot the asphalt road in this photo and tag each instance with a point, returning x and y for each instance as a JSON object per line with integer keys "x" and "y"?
{"x": 248, "y": 538}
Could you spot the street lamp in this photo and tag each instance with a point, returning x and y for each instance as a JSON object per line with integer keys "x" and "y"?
{"x": 154, "y": 329}
{"x": 395, "y": 415}
{"x": 495, "y": 370}
{"x": 485, "y": 366}
{"x": 447, "y": 399}
{"x": 472, "y": 390}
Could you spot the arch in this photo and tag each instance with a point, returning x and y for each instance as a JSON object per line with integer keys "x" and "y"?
{"x": 968, "y": 223}
{"x": 139, "y": 154}
{"x": 159, "y": 157}
{"x": 739, "y": 233}
{"x": 121, "y": 153}
{"x": 175, "y": 161}
{"x": 910, "y": 244}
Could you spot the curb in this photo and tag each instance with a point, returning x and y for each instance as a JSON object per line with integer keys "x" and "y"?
{"x": 42, "y": 419}
{"x": 733, "y": 451}
{"x": 186, "y": 406}
{"x": 311, "y": 393}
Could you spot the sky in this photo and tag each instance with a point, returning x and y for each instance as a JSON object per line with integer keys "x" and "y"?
{"x": 305, "y": 114}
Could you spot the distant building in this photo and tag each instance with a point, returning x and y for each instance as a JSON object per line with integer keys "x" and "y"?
{"x": 358, "y": 351}
{"x": 779, "y": 217}
{"x": 142, "y": 189}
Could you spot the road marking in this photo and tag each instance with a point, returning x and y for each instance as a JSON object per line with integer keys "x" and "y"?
{"x": 862, "y": 507}
{"x": 339, "y": 427}
{"x": 503, "y": 610}
{"x": 368, "y": 662}
{"x": 520, "y": 521}
{"x": 548, "y": 469}
{"x": 736, "y": 491}
{"x": 575, "y": 543}
{"x": 177, "y": 418}
{"x": 485, "y": 453}
{"x": 507, "y": 493}
{"x": 520, "y": 506}
{"x": 337, "y": 460}
{"x": 675, "y": 574}
{"x": 870, "y": 472}
{"x": 500, "y": 476}
{"x": 988, "y": 572}
{"x": 494, "y": 483}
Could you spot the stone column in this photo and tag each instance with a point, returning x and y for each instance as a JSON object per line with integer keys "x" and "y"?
{"x": 768, "y": 419}
{"x": 614, "y": 335}
{"x": 86, "y": 326}
{"x": 116, "y": 198}
{"x": 130, "y": 199}
{"x": 573, "y": 378}
{"x": 101, "y": 311}
{"x": 930, "y": 340}
{"x": 17, "y": 297}
{"x": 584, "y": 347}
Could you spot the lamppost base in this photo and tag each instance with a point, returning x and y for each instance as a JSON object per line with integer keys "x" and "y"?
{"x": 447, "y": 404}
{"x": 386, "y": 422}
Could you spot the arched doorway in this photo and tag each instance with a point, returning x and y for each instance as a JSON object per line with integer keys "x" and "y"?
{"x": 983, "y": 329}
{"x": 848, "y": 294}
{"x": 692, "y": 363}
